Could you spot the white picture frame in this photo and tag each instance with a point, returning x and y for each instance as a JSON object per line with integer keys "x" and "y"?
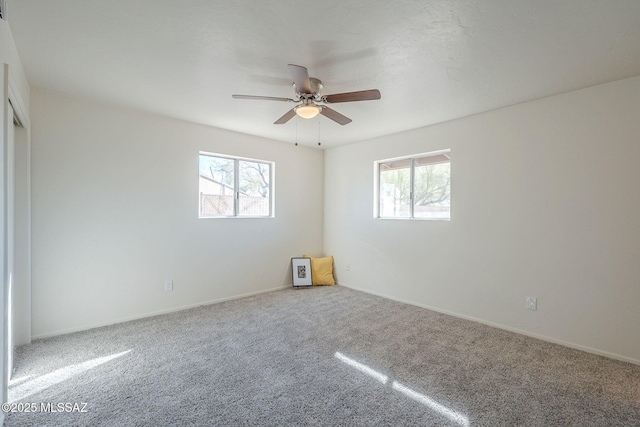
{"x": 301, "y": 271}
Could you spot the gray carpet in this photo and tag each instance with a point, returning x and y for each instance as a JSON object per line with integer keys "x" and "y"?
{"x": 321, "y": 356}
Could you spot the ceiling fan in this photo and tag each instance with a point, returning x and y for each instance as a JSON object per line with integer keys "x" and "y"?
{"x": 311, "y": 101}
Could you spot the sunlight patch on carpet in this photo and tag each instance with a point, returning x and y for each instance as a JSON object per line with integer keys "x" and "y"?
{"x": 362, "y": 368}
{"x": 20, "y": 389}
{"x": 427, "y": 401}
{"x": 418, "y": 397}
{"x": 19, "y": 380}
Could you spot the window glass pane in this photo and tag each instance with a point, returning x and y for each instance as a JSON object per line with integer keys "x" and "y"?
{"x": 254, "y": 188}
{"x": 216, "y": 186}
{"x": 432, "y": 183}
{"x": 395, "y": 185}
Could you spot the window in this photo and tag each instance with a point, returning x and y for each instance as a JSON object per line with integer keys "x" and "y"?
{"x": 235, "y": 187}
{"x": 414, "y": 187}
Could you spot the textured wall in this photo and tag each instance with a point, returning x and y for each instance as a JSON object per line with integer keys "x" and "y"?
{"x": 545, "y": 203}
{"x": 115, "y": 213}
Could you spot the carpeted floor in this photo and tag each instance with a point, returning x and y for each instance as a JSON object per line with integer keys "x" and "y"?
{"x": 322, "y": 356}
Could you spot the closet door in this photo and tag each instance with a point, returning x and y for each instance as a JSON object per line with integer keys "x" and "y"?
{"x": 10, "y": 232}
{"x": 4, "y": 104}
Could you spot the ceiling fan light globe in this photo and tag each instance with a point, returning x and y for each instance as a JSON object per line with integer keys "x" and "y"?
{"x": 308, "y": 111}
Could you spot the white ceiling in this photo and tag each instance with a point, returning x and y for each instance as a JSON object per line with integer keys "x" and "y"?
{"x": 432, "y": 60}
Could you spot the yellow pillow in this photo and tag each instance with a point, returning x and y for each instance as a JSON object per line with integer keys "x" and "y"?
{"x": 321, "y": 270}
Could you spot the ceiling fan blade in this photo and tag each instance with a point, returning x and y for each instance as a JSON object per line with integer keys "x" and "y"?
{"x": 363, "y": 95}
{"x": 264, "y": 98}
{"x": 335, "y": 116}
{"x": 287, "y": 116}
{"x": 300, "y": 76}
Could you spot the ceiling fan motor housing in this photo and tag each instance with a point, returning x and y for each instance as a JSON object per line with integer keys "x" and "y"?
{"x": 316, "y": 87}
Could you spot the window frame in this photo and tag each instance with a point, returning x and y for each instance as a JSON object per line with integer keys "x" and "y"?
{"x": 236, "y": 186}
{"x": 412, "y": 158}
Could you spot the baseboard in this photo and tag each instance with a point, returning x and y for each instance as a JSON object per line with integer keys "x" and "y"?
{"x": 154, "y": 313}
{"x": 504, "y": 327}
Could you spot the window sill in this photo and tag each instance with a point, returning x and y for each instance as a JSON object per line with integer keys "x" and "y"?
{"x": 236, "y": 217}
{"x": 412, "y": 219}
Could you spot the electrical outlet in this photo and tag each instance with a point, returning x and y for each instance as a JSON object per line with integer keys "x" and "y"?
{"x": 532, "y": 303}
{"x": 348, "y": 267}
{"x": 168, "y": 285}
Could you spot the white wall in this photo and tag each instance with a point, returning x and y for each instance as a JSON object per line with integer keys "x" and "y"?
{"x": 115, "y": 213}
{"x": 545, "y": 203}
